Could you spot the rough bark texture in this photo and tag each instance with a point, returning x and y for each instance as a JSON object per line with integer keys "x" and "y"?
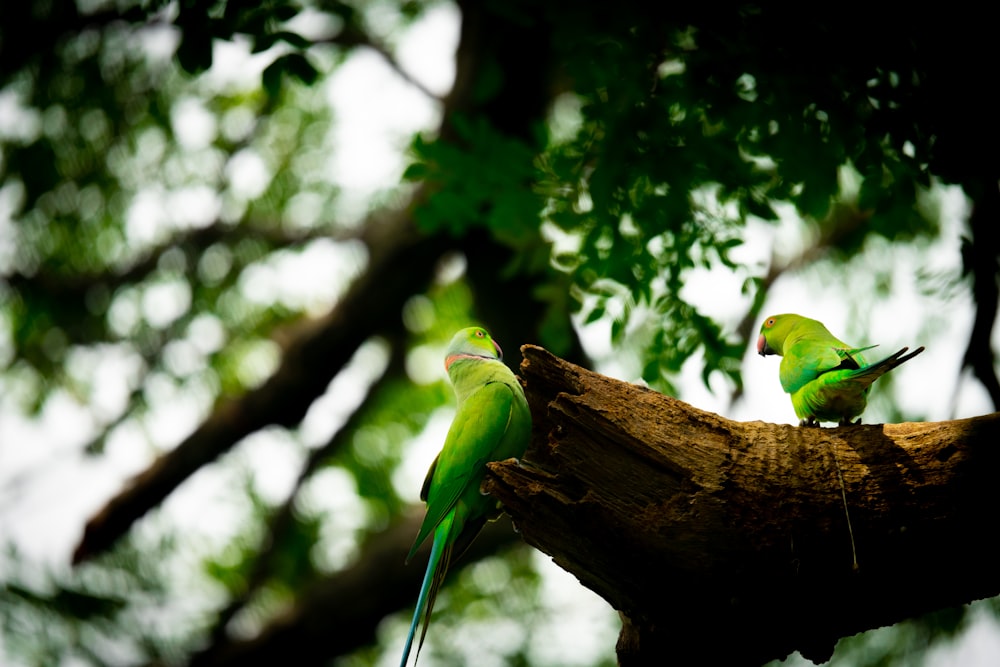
{"x": 727, "y": 541}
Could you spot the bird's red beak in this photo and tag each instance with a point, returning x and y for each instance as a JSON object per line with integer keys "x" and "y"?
{"x": 762, "y": 348}
{"x": 499, "y": 351}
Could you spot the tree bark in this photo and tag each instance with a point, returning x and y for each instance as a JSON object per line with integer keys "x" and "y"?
{"x": 728, "y": 542}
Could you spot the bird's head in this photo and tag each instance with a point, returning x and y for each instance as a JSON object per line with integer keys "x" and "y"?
{"x": 472, "y": 343}
{"x": 773, "y": 333}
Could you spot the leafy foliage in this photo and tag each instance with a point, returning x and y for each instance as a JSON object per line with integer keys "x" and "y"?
{"x": 48, "y": 617}
{"x": 485, "y": 179}
{"x": 686, "y": 132}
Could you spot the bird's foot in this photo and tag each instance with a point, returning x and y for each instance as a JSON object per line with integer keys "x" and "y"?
{"x": 811, "y": 422}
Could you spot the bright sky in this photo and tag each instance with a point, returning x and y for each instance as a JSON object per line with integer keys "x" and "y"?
{"x": 377, "y": 112}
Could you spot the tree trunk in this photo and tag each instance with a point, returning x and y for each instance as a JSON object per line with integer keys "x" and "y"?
{"x": 728, "y": 542}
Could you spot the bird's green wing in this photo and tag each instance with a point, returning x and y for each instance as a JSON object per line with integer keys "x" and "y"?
{"x": 426, "y": 487}
{"x": 805, "y": 361}
{"x": 478, "y": 427}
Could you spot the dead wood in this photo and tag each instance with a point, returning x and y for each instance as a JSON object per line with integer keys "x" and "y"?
{"x": 728, "y": 542}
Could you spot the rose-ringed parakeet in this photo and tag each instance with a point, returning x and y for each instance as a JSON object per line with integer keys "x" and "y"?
{"x": 828, "y": 379}
{"x": 492, "y": 423}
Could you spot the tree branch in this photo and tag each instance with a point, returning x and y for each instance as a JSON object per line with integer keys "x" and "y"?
{"x": 698, "y": 528}
{"x": 74, "y": 286}
{"x": 981, "y": 260}
{"x": 340, "y": 614}
{"x": 283, "y": 518}
{"x": 402, "y": 264}
{"x": 354, "y": 36}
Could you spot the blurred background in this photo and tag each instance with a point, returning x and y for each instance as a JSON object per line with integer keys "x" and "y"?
{"x": 236, "y": 238}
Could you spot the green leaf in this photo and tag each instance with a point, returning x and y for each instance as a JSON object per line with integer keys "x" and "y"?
{"x": 595, "y": 314}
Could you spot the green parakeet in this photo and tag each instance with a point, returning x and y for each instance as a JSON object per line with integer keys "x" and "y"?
{"x": 492, "y": 423}
{"x": 828, "y": 379}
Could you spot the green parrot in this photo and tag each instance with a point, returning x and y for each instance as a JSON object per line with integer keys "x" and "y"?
{"x": 492, "y": 423}
{"x": 828, "y": 379}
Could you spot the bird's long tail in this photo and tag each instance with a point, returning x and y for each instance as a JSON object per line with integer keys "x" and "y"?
{"x": 877, "y": 370}
{"x": 437, "y": 568}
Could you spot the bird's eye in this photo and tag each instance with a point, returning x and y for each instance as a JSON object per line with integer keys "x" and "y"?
{"x": 770, "y": 322}
{"x": 480, "y": 333}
